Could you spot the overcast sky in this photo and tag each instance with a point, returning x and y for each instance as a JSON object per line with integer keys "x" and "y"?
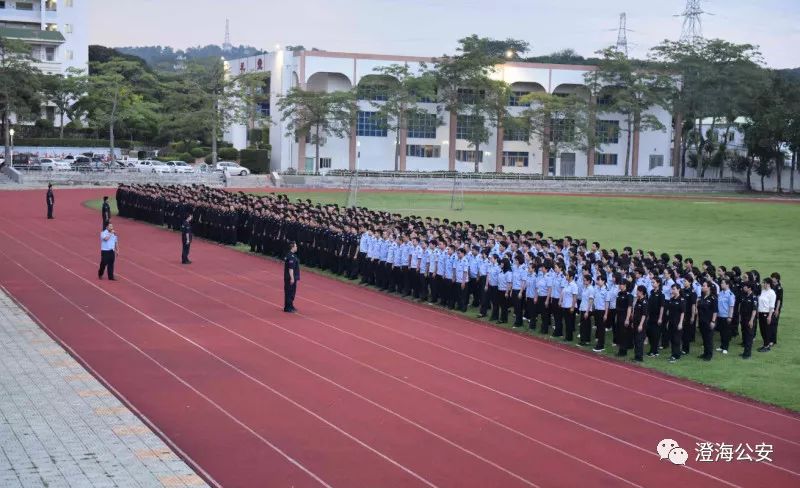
{"x": 431, "y": 27}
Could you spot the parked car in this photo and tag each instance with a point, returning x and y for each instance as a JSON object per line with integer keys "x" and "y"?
{"x": 70, "y": 158}
{"x": 232, "y": 168}
{"x": 25, "y": 162}
{"x": 143, "y": 166}
{"x": 180, "y": 167}
{"x": 49, "y": 164}
{"x": 160, "y": 167}
{"x": 82, "y": 163}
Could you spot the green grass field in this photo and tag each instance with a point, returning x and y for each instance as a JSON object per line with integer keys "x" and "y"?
{"x": 752, "y": 235}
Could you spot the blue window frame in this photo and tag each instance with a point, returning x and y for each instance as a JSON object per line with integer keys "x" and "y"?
{"x": 607, "y": 131}
{"x": 422, "y": 126}
{"x": 465, "y": 125}
{"x": 370, "y": 124}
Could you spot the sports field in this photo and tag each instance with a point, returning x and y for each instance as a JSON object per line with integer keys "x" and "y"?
{"x": 756, "y": 234}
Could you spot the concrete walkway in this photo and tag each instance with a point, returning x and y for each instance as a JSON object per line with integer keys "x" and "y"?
{"x": 59, "y": 427}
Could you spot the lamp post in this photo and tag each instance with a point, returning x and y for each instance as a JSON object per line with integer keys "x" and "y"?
{"x": 11, "y": 163}
{"x": 358, "y": 155}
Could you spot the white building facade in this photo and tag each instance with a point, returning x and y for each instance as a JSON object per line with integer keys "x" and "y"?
{"x": 56, "y": 30}
{"x": 432, "y": 147}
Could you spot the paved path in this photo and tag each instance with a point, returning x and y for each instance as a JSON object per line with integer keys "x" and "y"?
{"x": 59, "y": 427}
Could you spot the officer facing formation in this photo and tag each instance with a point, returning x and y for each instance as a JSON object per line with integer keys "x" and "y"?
{"x": 51, "y": 200}
{"x": 291, "y": 275}
{"x": 186, "y": 239}
{"x": 105, "y": 212}
{"x": 638, "y": 295}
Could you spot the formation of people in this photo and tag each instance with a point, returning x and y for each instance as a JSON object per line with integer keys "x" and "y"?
{"x": 565, "y": 287}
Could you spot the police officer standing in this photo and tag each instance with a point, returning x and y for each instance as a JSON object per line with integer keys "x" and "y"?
{"x": 291, "y": 275}
{"x": 106, "y": 213}
{"x": 108, "y": 252}
{"x": 186, "y": 238}
{"x": 51, "y": 200}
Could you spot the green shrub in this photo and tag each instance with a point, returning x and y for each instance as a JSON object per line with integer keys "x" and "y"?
{"x": 185, "y": 157}
{"x": 256, "y": 160}
{"x": 45, "y": 124}
{"x": 198, "y": 152}
{"x": 228, "y": 154}
{"x": 56, "y": 142}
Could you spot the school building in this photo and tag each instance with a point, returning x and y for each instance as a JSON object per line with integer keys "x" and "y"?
{"x": 427, "y": 146}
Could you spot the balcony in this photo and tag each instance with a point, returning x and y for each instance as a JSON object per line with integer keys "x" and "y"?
{"x": 33, "y": 35}
{"x": 10, "y": 14}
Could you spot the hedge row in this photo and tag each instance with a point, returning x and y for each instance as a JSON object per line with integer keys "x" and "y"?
{"x": 256, "y": 160}
{"x": 55, "y": 142}
{"x": 185, "y": 157}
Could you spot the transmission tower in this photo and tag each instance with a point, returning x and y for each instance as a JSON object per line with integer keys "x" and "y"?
{"x": 226, "y": 46}
{"x": 622, "y": 35}
{"x": 692, "y": 30}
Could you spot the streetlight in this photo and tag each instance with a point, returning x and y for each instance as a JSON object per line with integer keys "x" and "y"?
{"x": 509, "y": 54}
{"x": 11, "y": 163}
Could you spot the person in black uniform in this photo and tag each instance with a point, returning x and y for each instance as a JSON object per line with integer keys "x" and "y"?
{"x": 707, "y": 316}
{"x": 106, "y": 213}
{"x": 675, "y": 308}
{"x": 747, "y": 315}
{"x": 655, "y": 317}
{"x": 291, "y": 275}
{"x": 51, "y": 200}
{"x": 186, "y": 238}
{"x": 640, "y": 310}
{"x": 778, "y": 288}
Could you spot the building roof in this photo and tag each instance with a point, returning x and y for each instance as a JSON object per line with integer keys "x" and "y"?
{"x": 32, "y": 35}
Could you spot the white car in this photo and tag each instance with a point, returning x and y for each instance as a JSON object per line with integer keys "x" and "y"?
{"x": 49, "y": 164}
{"x": 232, "y": 168}
{"x": 160, "y": 167}
{"x": 144, "y": 166}
{"x": 180, "y": 167}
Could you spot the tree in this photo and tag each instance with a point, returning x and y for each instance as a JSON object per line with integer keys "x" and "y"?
{"x": 64, "y": 92}
{"x": 113, "y": 99}
{"x": 635, "y": 90}
{"x": 558, "y": 122}
{"x": 19, "y": 86}
{"x": 318, "y": 114}
{"x": 187, "y": 115}
{"x": 465, "y": 86}
{"x": 399, "y": 94}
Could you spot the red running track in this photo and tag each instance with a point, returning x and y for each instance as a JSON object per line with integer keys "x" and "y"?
{"x": 360, "y": 389}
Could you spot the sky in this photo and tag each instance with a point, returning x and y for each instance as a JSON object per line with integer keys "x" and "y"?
{"x": 432, "y": 27}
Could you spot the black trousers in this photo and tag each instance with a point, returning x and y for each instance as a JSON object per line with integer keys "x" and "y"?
{"x": 556, "y": 310}
{"x": 747, "y": 338}
{"x": 689, "y": 331}
{"x": 49, "y": 210}
{"x": 765, "y": 326}
{"x": 725, "y": 332}
{"x": 486, "y": 299}
{"x": 675, "y": 337}
{"x": 569, "y": 323}
{"x": 502, "y": 305}
{"x": 586, "y": 327}
{"x": 106, "y": 261}
{"x": 516, "y": 302}
{"x": 653, "y": 336}
{"x": 708, "y": 338}
{"x": 774, "y": 329}
{"x": 531, "y": 311}
{"x": 105, "y": 224}
{"x": 544, "y": 311}
{"x": 478, "y": 284}
{"x": 462, "y": 295}
{"x": 289, "y": 291}
{"x": 600, "y": 328}
{"x": 185, "y": 253}
{"x": 423, "y": 286}
{"x": 638, "y": 343}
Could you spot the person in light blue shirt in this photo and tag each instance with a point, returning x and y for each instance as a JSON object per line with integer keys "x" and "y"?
{"x": 109, "y": 248}
{"x": 726, "y": 301}
{"x": 490, "y": 292}
{"x": 586, "y": 308}
{"x": 543, "y": 297}
{"x": 557, "y": 282}
{"x": 567, "y": 302}
{"x": 475, "y": 286}
{"x": 600, "y": 312}
{"x": 531, "y": 279}
{"x": 518, "y": 275}
{"x": 504, "y": 290}
{"x": 392, "y": 260}
{"x": 414, "y": 256}
{"x": 611, "y": 299}
{"x": 461, "y": 279}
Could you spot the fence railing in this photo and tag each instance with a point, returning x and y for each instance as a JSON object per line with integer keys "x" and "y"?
{"x": 509, "y": 176}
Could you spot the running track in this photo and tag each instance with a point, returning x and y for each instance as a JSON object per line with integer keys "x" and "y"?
{"x": 360, "y": 389}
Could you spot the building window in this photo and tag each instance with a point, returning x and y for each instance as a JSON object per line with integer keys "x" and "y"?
{"x": 515, "y": 159}
{"x": 562, "y": 130}
{"x": 731, "y": 137}
{"x": 605, "y": 99}
{"x": 656, "y": 160}
{"x": 514, "y": 99}
{"x": 263, "y": 109}
{"x": 373, "y": 93}
{"x": 469, "y": 156}
{"x": 50, "y": 113}
{"x": 2, "y": 4}
{"x": 422, "y": 126}
{"x": 466, "y": 124}
{"x": 324, "y": 163}
{"x": 50, "y": 53}
{"x": 516, "y": 131}
{"x": 68, "y": 28}
{"x": 420, "y": 151}
{"x": 607, "y": 131}
{"x": 51, "y": 5}
{"x": 24, "y": 6}
{"x": 602, "y": 159}
{"x": 470, "y": 96}
{"x": 370, "y": 124}
{"x": 51, "y": 28}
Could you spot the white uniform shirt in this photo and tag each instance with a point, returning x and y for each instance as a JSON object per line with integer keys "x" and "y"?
{"x": 766, "y": 301}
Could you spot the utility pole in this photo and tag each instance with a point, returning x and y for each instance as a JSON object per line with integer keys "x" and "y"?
{"x": 226, "y": 45}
